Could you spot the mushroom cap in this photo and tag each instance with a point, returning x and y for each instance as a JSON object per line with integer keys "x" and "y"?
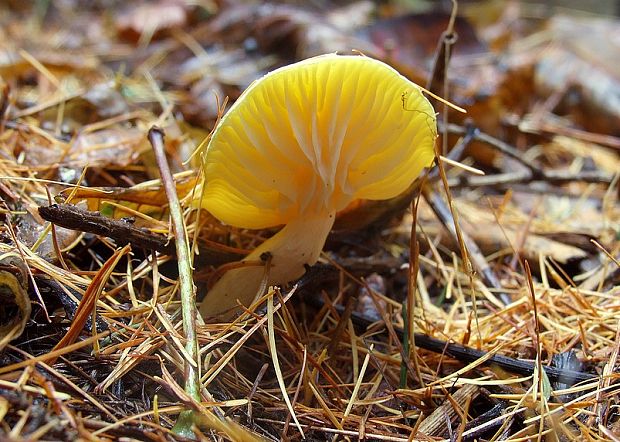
{"x": 313, "y": 136}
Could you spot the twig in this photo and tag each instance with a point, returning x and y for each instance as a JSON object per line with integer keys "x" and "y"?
{"x": 530, "y": 173}
{"x": 478, "y": 135}
{"x": 447, "y": 41}
{"x": 186, "y": 284}
{"x": 467, "y": 354}
{"x": 409, "y": 316}
{"x": 4, "y": 105}
{"x": 65, "y": 295}
{"x": 443, "y": 54}
{"x": 123, "y": 232}
{"x": 551, "y": 126}
{"x": 525, "y": 177}
{"x": 485, "y": 422}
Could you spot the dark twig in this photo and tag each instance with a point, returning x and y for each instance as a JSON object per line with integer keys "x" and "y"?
{"x": 530, "y": 172}
{"x": 443, "y": 54}
{"x": 122, "y": 231}
{"x": 496, "y": 143}
{"x": 4, "y": 105}
{"x": 67, "y": 297}
{"x": 555, "y": 177}
{"x": 487, "y": 421}
{"x": 448, "y": 40}
{"x": 468, "y": 354}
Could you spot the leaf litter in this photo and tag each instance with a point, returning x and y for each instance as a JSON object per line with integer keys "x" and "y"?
{"x": 504, "y": 328}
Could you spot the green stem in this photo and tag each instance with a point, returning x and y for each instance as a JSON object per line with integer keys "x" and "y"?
{"x": 186, "y": 285}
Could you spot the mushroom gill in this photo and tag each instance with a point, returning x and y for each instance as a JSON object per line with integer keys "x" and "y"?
{"x": 302, "y": 143}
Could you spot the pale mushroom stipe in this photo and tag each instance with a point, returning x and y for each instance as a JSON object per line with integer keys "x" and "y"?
{"x": 299, "y": 145}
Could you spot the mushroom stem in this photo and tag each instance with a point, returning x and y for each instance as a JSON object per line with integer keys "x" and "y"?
{"x": 298, "y": 244}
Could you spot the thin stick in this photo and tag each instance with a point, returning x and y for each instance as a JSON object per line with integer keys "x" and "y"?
{"x": 467, "y": 354}
{"x": 440, "y": 72}
{"x": 414, "y": 266}
{"x": 121, "y": 231}
{"x": 186, "y": 285}
{"x": 531, "y": 172}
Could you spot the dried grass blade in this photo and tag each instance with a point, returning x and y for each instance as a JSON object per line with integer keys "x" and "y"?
{"x": 52, "y": 355}
{"x": 276, "y": 364}
{"x": 324, "y": 406}
{"x": 89, "y": 300}
{"x": 358, "y": 384}
{"x": 129, "y": 359}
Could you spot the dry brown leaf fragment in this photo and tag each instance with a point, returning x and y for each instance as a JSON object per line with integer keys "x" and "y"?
{"x": 113, "y": 146}
{"x": 151, "y": 18}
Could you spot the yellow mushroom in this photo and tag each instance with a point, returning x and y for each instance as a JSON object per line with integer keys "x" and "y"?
{"x": 299, "y": 145}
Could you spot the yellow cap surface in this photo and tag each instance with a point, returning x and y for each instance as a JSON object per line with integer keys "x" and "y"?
{"x": 313, "y": 136}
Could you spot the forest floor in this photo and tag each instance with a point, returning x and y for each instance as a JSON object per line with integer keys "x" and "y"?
{"x": 503, "y": 325}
